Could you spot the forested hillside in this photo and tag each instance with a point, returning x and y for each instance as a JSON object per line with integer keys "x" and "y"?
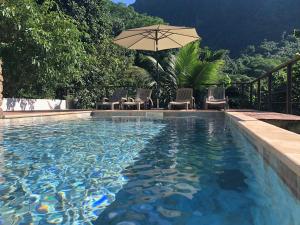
{"x": 228, "y": 24}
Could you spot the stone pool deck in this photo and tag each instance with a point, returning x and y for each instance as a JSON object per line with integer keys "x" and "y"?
{"x": 271, "y": 116}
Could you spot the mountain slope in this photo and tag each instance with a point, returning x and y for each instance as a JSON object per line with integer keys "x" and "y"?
{"x": 229, "y": 24}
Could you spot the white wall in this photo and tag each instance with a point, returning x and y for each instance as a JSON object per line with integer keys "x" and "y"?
{"x": 22, "y": 104}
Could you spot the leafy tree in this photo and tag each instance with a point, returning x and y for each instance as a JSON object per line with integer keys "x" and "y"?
{"x": 136, "y": 76}
{"x": 124, "y": 17}
{"x": 256, "y": 61}
{"x": 54, "y": 47}
{"x": 100, "y": 21}
{"x": 106, "y": 61}
{"x": 40, "y": 47}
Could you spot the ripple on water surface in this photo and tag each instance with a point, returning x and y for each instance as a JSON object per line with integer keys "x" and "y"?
{"x": 67, "y": 173}
{"x": 134, "y": 172}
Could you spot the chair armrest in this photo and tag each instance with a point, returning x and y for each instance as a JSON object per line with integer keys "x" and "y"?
{"x": 123, "y": 99}
{"x": 130, "y": 99}
{"x": 193, "y": 102}
{"x": 151, "y": 102}
{"x": 227, "y": 103}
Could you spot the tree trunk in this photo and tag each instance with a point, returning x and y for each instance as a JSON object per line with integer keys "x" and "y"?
{"x": 1, "y": 90}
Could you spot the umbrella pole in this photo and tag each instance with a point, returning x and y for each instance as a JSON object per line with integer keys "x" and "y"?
{"x": 158, "y": 86}
{"x": 157, "y": 73}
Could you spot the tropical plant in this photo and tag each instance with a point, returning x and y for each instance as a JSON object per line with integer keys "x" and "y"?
{"x": 193, "y": 72}
{"x": 183, "y": 69}
{"x": 40, "y": 47}
{"x": 161, "y": 77}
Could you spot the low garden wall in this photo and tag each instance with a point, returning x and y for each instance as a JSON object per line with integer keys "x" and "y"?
{"x": 22, "y": 104}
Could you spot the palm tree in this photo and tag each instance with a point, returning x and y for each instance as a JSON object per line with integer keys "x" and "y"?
{"x": 193, "y": 72}
{"x": 160, "y": 75}
{"x": 190, "y": 67}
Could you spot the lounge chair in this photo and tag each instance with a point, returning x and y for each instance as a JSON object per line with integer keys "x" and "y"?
{"x": 184, "y": 97}
{"x": 119, "y": 96}
{"x": 142, "y": 98}
{"x": 216, "y": 97}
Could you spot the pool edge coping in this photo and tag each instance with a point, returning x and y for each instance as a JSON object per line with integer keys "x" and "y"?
{"x": 44, "y": 117}
{"x": 280, "y": 148}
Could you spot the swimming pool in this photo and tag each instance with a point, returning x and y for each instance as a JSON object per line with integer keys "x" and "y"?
{"x": 138, "y": 171}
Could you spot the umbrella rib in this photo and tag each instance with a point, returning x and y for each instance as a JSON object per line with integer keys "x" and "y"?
{"x": 168, "y": 33}
{"x": 175, "y": 41}
{"x": 179, "y": 28}
{"x": 137, "y": 42}
{"x": 184, "y": 35}
{"x": 164, "y": 35}
{"x": 143, "y": 34}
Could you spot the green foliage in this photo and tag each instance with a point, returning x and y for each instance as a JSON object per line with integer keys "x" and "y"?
{"x": 255, "y": 61}
{"x": 193, "y": 72}
{"x": 126, "y": 18}
{"x": 184, "y": 69}
{"x": 297, "y": 33}
{"x": 52, "y": 48}
{"x": 40, "y": 47}
{"x": 136, "y": 76}
{"x": 106, "y": 61}
{"x": 160, "y": 75}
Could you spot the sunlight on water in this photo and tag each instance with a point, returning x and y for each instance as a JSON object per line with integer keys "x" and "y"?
{"x": 66, "y": 173}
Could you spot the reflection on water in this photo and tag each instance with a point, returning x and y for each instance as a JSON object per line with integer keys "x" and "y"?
{"x": 66, "y": 173}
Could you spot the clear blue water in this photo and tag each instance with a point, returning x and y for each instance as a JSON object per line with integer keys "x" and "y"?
{"x": 137, "y": 171}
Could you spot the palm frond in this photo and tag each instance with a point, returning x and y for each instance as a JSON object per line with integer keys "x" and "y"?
{"x": 150, "y": 64}
{"x": 207, "y": 73}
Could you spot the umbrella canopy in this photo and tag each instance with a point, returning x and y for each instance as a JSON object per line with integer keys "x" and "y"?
{"x": 156, "y": 38}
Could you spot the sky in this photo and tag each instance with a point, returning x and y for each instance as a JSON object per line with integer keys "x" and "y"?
{"x": 125, "y": 1}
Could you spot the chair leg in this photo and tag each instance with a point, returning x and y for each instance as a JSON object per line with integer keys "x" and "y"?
{"x": 187, "y": 106}
{"x": 139, "y": 106}
{"x": 206, "y": 106}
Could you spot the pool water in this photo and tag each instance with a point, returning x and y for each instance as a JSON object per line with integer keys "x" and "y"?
{"x": 133, "y": 171}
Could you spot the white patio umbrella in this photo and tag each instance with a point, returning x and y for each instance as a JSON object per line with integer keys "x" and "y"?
{"x": 156, "y": 38}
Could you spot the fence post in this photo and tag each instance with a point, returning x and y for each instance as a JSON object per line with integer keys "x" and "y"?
{"x": 289, "y": 89}
{"x": 270, "y": 92}
{"x": 1, "y": 90}
{"x": 259, "y": 94}
{"x": 251, "y": 95}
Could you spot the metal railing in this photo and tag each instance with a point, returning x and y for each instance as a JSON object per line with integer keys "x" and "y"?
{"x": 261, "y": 90}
